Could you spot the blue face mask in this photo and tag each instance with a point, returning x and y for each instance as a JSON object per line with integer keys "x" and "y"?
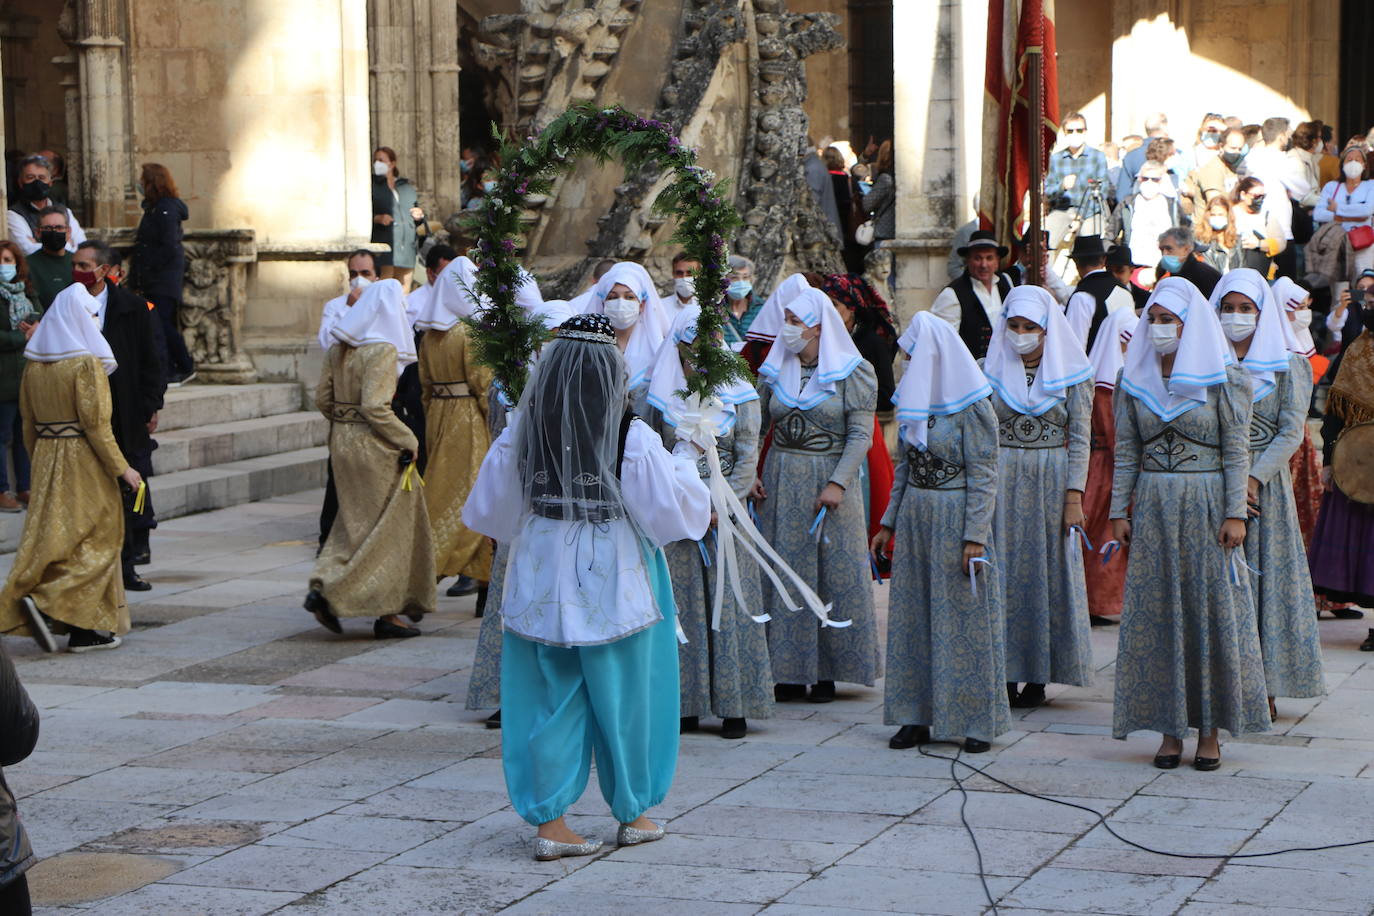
{"x": 739, "y": 289}
{"x": 488, "y": 186}
{"x": 1171, "y": 263}
{"x": 8, "y": 271}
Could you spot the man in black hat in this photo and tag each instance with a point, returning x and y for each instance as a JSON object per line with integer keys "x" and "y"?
{"x": 1098, "y": 292}
{"x": 1122, "y": 266}
{"x": 974, "y": 301}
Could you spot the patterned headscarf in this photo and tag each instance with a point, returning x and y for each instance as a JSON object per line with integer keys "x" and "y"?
{"x": 855, "y": 293}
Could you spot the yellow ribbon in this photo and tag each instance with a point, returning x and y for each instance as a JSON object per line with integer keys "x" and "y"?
{"x": 409, "y": 473}
{"x": 140, "y": 498}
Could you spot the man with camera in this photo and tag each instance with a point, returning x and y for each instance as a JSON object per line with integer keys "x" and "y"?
{"x": 1076, "y": 183}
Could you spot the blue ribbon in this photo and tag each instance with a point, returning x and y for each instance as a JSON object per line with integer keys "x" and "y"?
{"x": 873, "y": 565}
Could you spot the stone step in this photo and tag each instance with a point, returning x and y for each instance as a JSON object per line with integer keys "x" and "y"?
{"x": 216, "y": 443}
{"x": 208, "y": 405}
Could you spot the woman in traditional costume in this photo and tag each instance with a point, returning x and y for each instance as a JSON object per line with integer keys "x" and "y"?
{"x": 724, "y": 671}
{"x": 625, "y": 294}
{"x": 379, "y": 556}
{"x": 586, "y": 496}
{"x": 1281, "y": 382}
{"x": 817, "y": 394}
{"x": 1042, "y": 390}
{"x": 945, "y": 633}
{"x": 1189, "y": 650}
{"x": 66, "y": 574}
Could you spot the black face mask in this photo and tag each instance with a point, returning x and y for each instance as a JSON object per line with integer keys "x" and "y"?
{"x": 1232, "y": 158}
{"x": 35, "y": 190}
{"x": 1368, "y": 319}
{"x": 1256, "y": 204}
{"x": 52, "y": 239}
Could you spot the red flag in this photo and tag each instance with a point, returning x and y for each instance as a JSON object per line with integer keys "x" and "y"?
{"x": 1016, "y": 29}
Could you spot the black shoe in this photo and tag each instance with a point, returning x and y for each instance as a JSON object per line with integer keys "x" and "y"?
{"x": 1368, "y": 644}
{"x": 38, "y": 625}
{"x": 463, "y": 585}
{"x": 1098, "y": 620}
{"x": 316, "y": 604}
{"x": 90, "y": 641}
{"x": 1206, "y": 764}
{"x": 909, "y": 736}
{"x": 688, "y": 724}
{"x": 1032, "y": 696}
{"x": 143, "y": 558}
{"x": 481, "y": 601}
{"x": 785, "y": 693}
{"x": 385, "y": 629}
{"x": 493, "y": 720}
{"x": 1167, "y": 761}
{"x": 133, "y": 582}
{"x": 1013, "y": 695}
{"x": 734, "y": 728}
{"x": 974, "y": 746}
{"x": 1348, "y": 613}
{"x": 822, "y": 692}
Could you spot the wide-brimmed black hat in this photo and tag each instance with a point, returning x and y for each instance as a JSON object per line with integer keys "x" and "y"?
{"x": 1088, "y": 246}
{"x": 1120, "y": 256}
{"x": 983, "y": 239}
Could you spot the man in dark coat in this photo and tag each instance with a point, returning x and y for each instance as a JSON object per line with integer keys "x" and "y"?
{"x": 136, "y": 387}
{"x": 18, "y": 735}
{"x": 1179, "y": 257}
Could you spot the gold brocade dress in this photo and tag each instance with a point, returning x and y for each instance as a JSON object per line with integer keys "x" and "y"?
{"x": 454, "y": 391}
{"x": 379, "y": 558}
{"x": 68, "y": 559}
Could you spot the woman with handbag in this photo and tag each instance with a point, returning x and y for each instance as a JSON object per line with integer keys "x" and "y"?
{"x": 881, "y": 202}
{"x": 1350, "y": 202}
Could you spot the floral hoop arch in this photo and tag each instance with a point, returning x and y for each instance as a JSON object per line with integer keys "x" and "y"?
{"x": 503, "y": 335}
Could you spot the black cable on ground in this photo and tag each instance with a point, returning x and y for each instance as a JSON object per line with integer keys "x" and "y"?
{"x": 957, "y": 761}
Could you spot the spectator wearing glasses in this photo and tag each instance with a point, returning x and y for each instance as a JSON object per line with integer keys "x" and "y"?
{"x": 1259, "y": 234}
{"x": 1148, "y": 213}
{"x": 1074, "y": 172}
{"x": 1210, "y": 134}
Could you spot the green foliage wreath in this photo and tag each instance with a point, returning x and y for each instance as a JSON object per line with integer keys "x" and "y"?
{"x": 503, "y": 335}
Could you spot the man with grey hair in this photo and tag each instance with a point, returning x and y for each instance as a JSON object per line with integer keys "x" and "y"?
{"x": 742, "y": 303}
{"x": 35, "y": 181}
{"x": 1179, "y": 258}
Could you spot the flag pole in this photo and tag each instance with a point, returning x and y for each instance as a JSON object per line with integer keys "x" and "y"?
{"x": 1035, "y": 77}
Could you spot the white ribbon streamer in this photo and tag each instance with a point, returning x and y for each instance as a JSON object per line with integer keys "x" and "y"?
{"x": 1236, "y": 562}
{"x": 973, "y": 564}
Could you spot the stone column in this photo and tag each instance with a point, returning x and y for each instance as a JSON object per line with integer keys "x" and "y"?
{"x": 97, "y": 36}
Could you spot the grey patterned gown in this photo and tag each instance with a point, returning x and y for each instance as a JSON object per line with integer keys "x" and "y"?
{"x": 810, "y": 449}
{"x": 945, "y": 654}
{"x": 484, "y": 684}
{"x": 725, "y": 672}
{"x": 1046, "y": 596}
{"x": 1189, "y": 650}
{"x": 1273, "y": 541}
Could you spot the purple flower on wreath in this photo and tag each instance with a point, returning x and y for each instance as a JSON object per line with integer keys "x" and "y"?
{"x": 508, "y": 244}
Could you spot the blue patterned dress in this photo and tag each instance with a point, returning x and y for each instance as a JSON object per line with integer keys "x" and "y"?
{"x": 810, "y": 449}
{"x": 484, "y": 683}
{"x": 1045, "y": 593}
{"x": 1189, "y": 650}
{"x": 1273, "y": 541}
{"x": 945, "y": 654}
{"x": 725, "y": 672}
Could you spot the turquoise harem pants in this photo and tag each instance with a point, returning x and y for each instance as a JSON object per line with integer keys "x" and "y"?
{"x": 559, "y": 705}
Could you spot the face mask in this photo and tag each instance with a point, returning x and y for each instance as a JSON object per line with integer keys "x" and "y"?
{"x": 488, "y": 186}
{"x": 684, "y": 287}
{"x": 86, "y": 278}
{"x": 1149, "y": 189}
{"x": 739, "y": 289}
{"x": 622, "y": 313}
{"x": 1256, "y": 204}
{"x": 53, "y": 239}
{"x": 1353, "y": 169}
{"x": 380, "y": 168}
{"x": 1171, "y": 263}
{"x": 8, "y": 271}
{"x": 1369, "y": 319}
{"x": 359, "y": 283}
{"x": 464, "y": 166}
{"x": 1302, "y": 319}
{"x": 1023, "y": 343}
{"x": 35, "y": 190}
{"x": 1218, "y": 223}
{"x": 1211, "y": 139}
{"x": 791, "y": 338}
{"x": 1075, "y": 141}
{"x": 1164, "y": 337}
{"x": 1232, "y": 158}
{"x": 1238, "y": 327}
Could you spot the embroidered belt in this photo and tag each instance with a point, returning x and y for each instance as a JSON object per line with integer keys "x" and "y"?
{"x": 1262, "y": 432}
{"x": 727, "y": 464}
{"x": 1024, "y": 431}
{"x": 571, "y": 510}
{"x": 348, "y": 413}
{"x": 928, "y": 471}
{"x": 795, "y": 433}
{"x": 61, "y": 429}
{"x": 1170, "y": 451}
{"x": 442, "y": 390}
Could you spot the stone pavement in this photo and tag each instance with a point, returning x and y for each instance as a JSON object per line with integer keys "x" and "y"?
{"x": 235, "y": 758}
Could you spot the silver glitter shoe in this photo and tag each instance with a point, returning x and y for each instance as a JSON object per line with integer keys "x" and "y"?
{"x": 633, "y": 836}
{"x": 546, "y": 850}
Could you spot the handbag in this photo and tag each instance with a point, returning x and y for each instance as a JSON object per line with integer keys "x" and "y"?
{"x": 864, "y": 234}
{"x": 1361, "y": 237}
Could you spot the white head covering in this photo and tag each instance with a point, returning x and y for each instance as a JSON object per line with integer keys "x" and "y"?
{"x": 69, "y": 328}
{"x": 838, "y": 356}
{"x": 1273, "y": 339}
{"x": 379, "y": 316}
{"x": 553, "y": 312}
{"x": 1291, "y": 296}
{"x": 652, "y": 325}
{"x": 1062, "y": 365}
{"x": 1106, "y": 357}
{"x": 769, "y": 321}
{"x": 942, "y": 378}
{"x": 666, "y": 377}
{"x": 451, "y": 299}
{"x": 1199, "y": 362}
{"x": 527, "y": 294}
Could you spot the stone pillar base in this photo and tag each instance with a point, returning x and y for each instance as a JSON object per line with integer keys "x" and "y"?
{"x": 919, "y": 268}
{"x": 238, "y": 372}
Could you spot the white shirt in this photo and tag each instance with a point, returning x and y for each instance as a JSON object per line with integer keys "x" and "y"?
{"x": 1271, "y": 167}
{"x": 1056, "y": 286}
{"x": 103, "y": 298}
{"x": 1082, "y": 307}
{"x": 1151, "y": 217}
{"x": 333, "y": 311}
{"x": 946, "y": 305}
{"x": 672, "y": 304}
{"x": 23, "y": 236}
{"x": 1358, "y": 204}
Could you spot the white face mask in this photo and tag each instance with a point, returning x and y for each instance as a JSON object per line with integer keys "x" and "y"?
{"x": 359, "y": 283}
{"x": 1238, "y": 327}
{"x": 1218, "y": 223}
{"x": 622, "y": 313}
{"x": 1074, "y": 141}
{"x": 791, "y": 338}
{"x": 380, "y": 168}
{"x": 1164, "y": 337}
{"x": 684, "y": 288}
{"x": 1023, "y": 343}
{"x": 1302, "y": 319}
{"x": 1353, "y": 169}
{"x": 1149, "y": 189}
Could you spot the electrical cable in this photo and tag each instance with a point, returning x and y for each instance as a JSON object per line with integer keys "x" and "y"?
{"x": 957, "y": 761}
